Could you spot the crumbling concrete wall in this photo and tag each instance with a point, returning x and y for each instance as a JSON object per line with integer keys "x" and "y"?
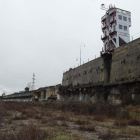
{"x": 125, "y": 65}
{"x": 111, "y": 78}
{"x": 50, "y": 91}
{"x": 91, "y": 72}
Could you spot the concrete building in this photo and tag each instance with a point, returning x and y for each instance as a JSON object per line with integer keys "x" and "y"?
{"x": 114, "y": 77}
{"x": 24, "y": 96}
{"x": 41, "y": 94}
{"x": 115, "y": 28}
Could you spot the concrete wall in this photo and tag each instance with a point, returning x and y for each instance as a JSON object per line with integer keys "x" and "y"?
{"x": 125, "y": 65}
{"x": 113, "y": 77}
{"x": 79, "y": 96}
{"x": 91, "y": 72}
{"x": 50, "y": 91}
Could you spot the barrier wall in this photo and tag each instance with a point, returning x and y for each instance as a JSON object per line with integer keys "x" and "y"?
{"x": 91, "y": 72}
{"x": 125, "y": 65}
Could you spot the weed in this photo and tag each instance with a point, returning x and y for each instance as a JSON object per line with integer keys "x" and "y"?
{"x": 87, "y": 128}
{"x": 19, "y": 117}
{"x": 100, "y": 118}
{"x": 134, "y": 122}
{"x": 107, "y": 135}
{"x": 37, "y": 117}
{"x": 64, "y": 123}
{"x": 45, "y": 120}
{"x": 29, "y": 132}
{"x": 88, "y": 108}
{"x": 79, "y": 122}
{"x": 120, "y": 123}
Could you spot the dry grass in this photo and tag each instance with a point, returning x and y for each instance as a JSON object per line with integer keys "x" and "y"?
{"x": 26, "y": 133}
{"x": 62, "y": 116}
{"x": 129, "y": 133}
{"x": 133, "y": 108}
{"x": 80, "y": 122}
{"x": 45, "y": 120}
{"x": 109, "y": 135}
{"x": 22, "y": 117}
{"x": 100, "y": 118}
{"x": 87, "y": 108}
{"x": 120, "y": 123}
{"x": 135, "y": 132}
{"x": 134, "y": 122}
{"x": 64, "y": 123}
{"x": 87, "y": 128}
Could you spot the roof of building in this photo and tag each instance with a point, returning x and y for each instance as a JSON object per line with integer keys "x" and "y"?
{"x": 115, "y": 8}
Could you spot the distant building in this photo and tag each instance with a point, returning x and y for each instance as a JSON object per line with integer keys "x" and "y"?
{"x": 115, "y": 28}
{"x": 41, "y": 94}
{"x": 3, "y": 94}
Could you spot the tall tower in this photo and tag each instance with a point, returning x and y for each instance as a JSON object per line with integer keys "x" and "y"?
{"x": 115, "y": 28}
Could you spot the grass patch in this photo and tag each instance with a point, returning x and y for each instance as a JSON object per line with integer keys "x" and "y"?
{"x": 27, "y": 133}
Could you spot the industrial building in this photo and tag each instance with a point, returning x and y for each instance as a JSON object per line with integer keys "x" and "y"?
{"x": 41, "y": 94}
{"x": 114, "y": 77}
{"x": 115, "y": 28}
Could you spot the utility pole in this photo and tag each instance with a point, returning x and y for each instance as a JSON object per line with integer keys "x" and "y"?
{"x": 33, "y": 84}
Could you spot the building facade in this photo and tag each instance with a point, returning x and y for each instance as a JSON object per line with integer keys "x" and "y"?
{"x": 114, "y": 77}
{"x": 115, "y": 28}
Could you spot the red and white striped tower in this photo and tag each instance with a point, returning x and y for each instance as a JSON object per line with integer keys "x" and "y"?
{"x": 115, "y": 28}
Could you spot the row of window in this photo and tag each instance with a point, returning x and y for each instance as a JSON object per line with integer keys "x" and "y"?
{"x": 123, "y": 27}
{"x": 84, "y": 73}
{"x": 114, "y": 28}
{"x": 124, "y": 18}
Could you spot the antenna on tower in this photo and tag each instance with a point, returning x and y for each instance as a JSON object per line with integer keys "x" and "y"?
{"x": 33, "y": 84}
{"x": 104, "y": 7}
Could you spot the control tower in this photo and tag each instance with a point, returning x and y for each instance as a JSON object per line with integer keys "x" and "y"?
{"x": 115, "y": 28}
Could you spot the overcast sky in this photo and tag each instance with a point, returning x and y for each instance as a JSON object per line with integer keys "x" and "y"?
{"x": 44, "y": 37}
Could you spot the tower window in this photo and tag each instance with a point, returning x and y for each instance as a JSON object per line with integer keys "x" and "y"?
{"x": 129, "y": 19}
{"x": 114, "y": 40}
{"x": 125, "y": 28}
{"x": 125, "y": 18}
{"x": 120, "y": 26}
{"x": 120, "y": 17}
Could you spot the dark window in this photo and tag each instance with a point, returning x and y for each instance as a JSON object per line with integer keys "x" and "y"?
{"x": 114, "y": 40}
{"x": 125, "y": 18}
{"x": 129, "y": 19}
{"x": 120, "y": 17}
{"x": 125, "y": 28}
{"x": 120, "y": 26}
